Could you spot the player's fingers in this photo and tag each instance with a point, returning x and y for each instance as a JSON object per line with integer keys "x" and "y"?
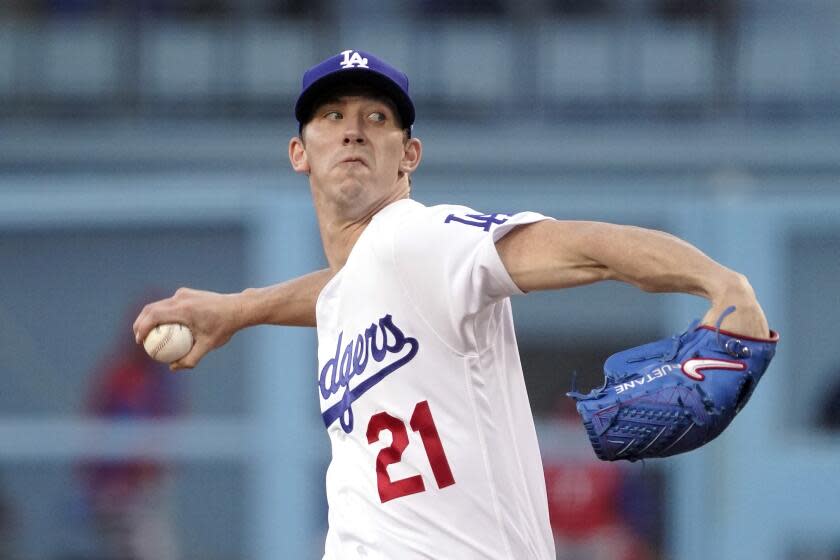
{"x": 192, "y": 358}
{"x": 148, "y": 319}
{"x": 747, "y": 320}
{"x": 154, "y": 314}
{"x": 141, "y": 326}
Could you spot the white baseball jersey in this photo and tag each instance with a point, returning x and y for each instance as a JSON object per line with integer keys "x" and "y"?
{"x": 434, "y": 451}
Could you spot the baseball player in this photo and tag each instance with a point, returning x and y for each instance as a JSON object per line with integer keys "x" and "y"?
{"x": 434, "y": 452}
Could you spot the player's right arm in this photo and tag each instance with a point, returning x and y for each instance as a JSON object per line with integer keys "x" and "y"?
{"x": 214, "y": 318}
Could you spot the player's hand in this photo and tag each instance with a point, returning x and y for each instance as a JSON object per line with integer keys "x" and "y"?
{"x": 748, "y": 318}
{"x": 212, "y": 317}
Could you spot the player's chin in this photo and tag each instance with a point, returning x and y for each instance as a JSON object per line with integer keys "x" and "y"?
{"x": 352, "y": 192}
{"x": 349, "y": 172}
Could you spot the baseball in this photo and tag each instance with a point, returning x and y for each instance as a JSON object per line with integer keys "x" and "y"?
{"x": 168, "y": 342}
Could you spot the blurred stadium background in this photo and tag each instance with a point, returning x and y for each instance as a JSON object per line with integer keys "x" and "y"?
{"x": 143, "y": 148}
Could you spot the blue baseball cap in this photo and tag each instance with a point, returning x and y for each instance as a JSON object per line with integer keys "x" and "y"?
{"x": 354, "y": 67}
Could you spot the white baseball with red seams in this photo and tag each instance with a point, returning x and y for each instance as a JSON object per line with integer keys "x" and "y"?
{"x": 168, "y": 342}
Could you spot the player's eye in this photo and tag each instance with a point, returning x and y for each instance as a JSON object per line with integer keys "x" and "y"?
{"x": 332, "y": 115}
{"x": 377, "y": 116}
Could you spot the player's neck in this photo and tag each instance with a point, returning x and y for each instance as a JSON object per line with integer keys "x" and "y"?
{"x": 338, "y": 240}
{"x": 340, "y": 232}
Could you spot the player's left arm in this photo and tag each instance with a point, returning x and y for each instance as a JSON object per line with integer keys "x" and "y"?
{"x": 562, "y": 254}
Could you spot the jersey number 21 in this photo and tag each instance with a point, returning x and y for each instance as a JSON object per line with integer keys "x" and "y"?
{"x": 423, "y": 423}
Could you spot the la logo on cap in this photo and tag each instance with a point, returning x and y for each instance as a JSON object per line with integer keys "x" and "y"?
{"x": 353, "y": 60}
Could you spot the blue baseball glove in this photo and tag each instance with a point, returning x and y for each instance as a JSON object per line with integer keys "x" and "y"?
{"x": 673, "y": 395}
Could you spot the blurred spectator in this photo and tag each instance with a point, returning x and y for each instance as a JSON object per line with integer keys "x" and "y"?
{"x": 587, "y": 498}
{"x": 128, "y": 499}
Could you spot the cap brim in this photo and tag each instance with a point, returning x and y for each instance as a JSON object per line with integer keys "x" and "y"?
{"x": 371, "y": 78}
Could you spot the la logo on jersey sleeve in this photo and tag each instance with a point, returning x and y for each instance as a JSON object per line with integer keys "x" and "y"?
{"x": 483, "y": 221}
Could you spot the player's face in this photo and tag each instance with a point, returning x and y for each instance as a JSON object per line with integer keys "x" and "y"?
{"x": 356, "y": 154}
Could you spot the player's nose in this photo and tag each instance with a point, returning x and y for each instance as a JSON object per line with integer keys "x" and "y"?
{"x": 353, "y": 137}
{"x": 353, "y": 133}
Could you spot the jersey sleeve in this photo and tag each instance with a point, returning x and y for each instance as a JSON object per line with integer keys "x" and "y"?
{"x": 447, "y": 262}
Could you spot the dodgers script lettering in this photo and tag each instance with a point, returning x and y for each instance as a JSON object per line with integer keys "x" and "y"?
{"x": 351, "y": 360}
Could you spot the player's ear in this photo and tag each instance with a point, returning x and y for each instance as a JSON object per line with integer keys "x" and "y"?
{"x": 412, "y": 154}
{"x": 297, "y": 155}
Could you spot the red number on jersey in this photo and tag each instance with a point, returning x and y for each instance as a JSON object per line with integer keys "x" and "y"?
{"x": 423, "y": 423}
{"x": 390, "y": 489}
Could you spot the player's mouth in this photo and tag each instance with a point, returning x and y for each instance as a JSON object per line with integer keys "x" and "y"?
{"x": 352, "y": 160}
